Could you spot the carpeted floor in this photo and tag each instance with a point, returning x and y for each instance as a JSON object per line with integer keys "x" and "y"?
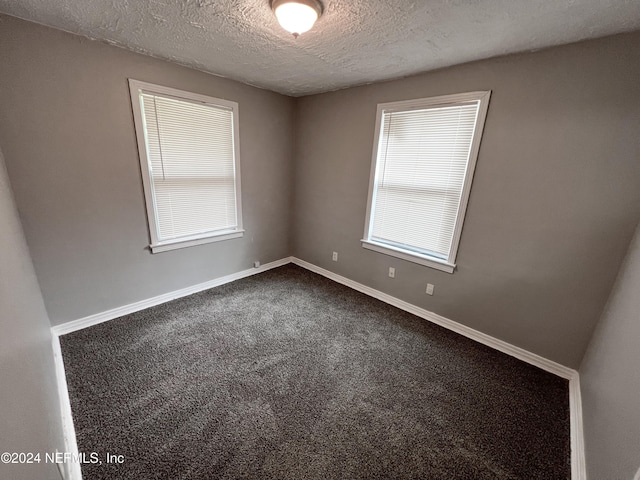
{"x": 288, "y": 375}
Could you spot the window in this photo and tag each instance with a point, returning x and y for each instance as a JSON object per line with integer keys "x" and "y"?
{"x": 423, "y": 163}
{"x": 189, "y": 157}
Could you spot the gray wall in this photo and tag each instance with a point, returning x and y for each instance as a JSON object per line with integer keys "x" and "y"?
{"x": 555, "y": 199}
{"x": 29, "y": 414}
{"x": 69, "y": 141}
{"x": 610, "y": 380}
{"x": 554, "y": 204}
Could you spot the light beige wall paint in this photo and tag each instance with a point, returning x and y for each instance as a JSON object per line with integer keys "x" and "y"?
{"x": 70, "y": 148}
{"x": 610, "y": 380}
{"x": 29, "y": 406}
{"x": 554, "y": 203}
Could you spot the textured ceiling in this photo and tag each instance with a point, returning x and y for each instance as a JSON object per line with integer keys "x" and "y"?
{"x": 354, "y": 42}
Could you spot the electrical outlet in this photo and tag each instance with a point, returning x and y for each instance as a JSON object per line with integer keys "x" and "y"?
{"x": 256, "y": 264}
{"x": 335, "y": 256}
{"x": 429, "y": 289}
{"x": 392, "y": 272}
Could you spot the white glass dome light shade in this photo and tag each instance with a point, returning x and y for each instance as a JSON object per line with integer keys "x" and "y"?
{"x": 297, "y": 16}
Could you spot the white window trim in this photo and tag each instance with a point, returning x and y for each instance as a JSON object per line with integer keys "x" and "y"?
{"x": 440, "y": 101}
{"x": 135, "y": 88}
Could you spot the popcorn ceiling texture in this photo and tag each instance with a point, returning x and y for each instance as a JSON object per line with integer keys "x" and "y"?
{"x": 354, "y": 42}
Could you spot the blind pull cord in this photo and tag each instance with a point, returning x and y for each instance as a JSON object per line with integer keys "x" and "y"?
{"x": 155, "y": 112}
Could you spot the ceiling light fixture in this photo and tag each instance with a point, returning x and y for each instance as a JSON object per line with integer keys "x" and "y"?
{"x": 297, "y": 16}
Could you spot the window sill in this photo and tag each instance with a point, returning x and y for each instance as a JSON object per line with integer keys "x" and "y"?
{"x": 409, "y": 256}
{"x": 193, "y": 241}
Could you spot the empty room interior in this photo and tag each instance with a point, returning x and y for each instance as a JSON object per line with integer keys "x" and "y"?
{"x": 320, "y": 239}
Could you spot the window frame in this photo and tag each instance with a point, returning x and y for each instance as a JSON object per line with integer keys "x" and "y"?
{"x": 136, "y": 88}
{"x": 448, "y": 265}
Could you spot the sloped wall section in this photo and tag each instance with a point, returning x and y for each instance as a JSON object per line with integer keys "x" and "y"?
{"x": 610, "y": 380}
{"x": 30, "y": 413}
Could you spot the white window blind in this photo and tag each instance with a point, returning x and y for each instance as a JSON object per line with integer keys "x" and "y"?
{"x": 421, "y": 170}
{"x": 190, "y": 148}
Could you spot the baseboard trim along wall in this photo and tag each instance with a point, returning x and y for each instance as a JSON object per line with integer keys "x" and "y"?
{"x": 480, "y": 337}
{"x": 578, "y": 468}
{"x": 91, "y": 320}
{"x": 70, "y": 469}
{"x": 578, "y": 464}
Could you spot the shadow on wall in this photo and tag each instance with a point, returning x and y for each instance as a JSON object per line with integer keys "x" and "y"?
{"x": 610, "y": 379}
{"x": 29, "y": 409}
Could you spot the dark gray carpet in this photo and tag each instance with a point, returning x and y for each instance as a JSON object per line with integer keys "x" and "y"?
{"x": 288, "y": 375}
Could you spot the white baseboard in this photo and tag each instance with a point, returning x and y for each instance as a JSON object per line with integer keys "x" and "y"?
{"x": 578, "y": 470}
{"x": 517, "y": 352}
{"x": 70, "y": 470}
{"x": 101, "y": 317}
{"x": 578, "y": 465}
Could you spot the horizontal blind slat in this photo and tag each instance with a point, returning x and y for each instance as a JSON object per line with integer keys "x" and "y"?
{"x": 191, "y": 158}
{"x": 422, "y": 163}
